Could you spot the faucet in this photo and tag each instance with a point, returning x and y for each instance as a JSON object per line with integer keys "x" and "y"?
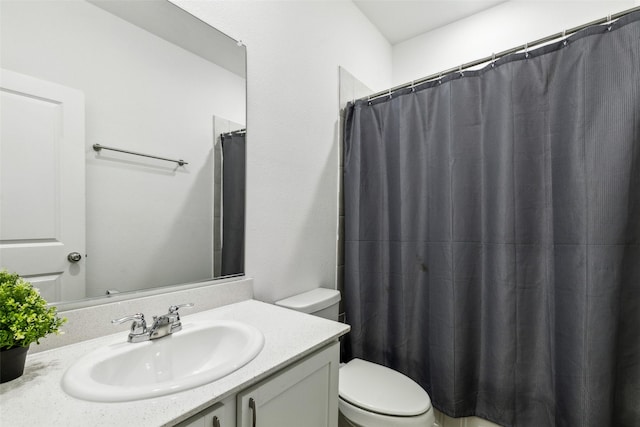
{"x": 167, "y": 323}
{"x": 162, "y": 325}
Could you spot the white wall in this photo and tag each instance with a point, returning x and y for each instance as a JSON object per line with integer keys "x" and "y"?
{"x": 294, "y": 50}
{"x": 502, "y": 27}
{"x": 148, "y": 223}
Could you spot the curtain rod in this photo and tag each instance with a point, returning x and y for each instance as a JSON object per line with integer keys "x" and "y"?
{"x": 234, "y": 132}
{"x": 495, "y": 56}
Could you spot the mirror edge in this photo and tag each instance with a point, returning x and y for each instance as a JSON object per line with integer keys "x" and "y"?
{"x": 127, "y": 296}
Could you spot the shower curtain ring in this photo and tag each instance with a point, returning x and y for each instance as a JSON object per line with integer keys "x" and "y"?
{"x": 493, "y": 60}
{"x": 526, "y": 50}
{"x": 440, "y": 79}
{"x": 389, "y": 93}
{"x": 460, "y": 70}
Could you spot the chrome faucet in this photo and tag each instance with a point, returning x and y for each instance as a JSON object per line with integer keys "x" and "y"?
{"x": 167, "y": 323}
{"x": 162, "y": 325}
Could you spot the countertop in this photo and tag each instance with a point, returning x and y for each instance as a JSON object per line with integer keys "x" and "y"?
{"x": 37, "y": 398}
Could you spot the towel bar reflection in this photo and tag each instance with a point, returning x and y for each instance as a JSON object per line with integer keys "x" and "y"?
{"x": 98, "y": 147}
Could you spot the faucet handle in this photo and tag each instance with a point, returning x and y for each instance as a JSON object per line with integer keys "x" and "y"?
{"x": 174, "y": 308}
{"x": 137, "y": 316}
{"x": 139, "y": 324}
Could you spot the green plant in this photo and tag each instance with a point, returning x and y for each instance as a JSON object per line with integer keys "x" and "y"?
{"x": 24, "y": 315}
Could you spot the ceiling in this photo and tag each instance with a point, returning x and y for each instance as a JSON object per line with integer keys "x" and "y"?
{"x": 400, "y": 20}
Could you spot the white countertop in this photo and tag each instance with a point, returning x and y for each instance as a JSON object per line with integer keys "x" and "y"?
{"x": 37, "y": 398}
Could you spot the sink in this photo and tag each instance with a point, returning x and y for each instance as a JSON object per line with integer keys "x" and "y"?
{"x": 199, "y": 354}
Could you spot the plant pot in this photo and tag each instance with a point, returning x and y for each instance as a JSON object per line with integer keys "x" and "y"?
{"x": 12, "y": 363}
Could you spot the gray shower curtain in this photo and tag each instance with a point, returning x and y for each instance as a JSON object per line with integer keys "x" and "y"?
{"x": 233, "y": 202}
{"x": 492, "y": 234}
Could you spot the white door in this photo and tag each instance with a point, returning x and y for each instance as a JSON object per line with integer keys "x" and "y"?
{"x": 42, "y": 186}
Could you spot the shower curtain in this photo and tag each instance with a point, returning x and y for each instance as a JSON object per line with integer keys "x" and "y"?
{"x": 492, "y": 234}
{"x": 233, "y": 202}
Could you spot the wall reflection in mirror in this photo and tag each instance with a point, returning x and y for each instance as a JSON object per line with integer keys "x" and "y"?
{"x": 144, "y": 77}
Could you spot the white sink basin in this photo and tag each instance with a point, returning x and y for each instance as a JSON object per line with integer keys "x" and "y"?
{"x": 199, "y": 354}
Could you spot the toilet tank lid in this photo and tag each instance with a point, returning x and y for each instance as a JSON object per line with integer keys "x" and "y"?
{"x": 312, "y": 301}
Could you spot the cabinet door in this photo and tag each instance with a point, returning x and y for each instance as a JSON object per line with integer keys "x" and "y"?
{"x": 211, "y": 417}
{"x": 305, "y": 394}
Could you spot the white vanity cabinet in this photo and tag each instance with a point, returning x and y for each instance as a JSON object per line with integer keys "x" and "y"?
{"x": 292, "y": 382}
{"x": 302, "y": 394}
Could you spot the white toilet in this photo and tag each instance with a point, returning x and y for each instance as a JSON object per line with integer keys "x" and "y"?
{"x": 371, "y": 395}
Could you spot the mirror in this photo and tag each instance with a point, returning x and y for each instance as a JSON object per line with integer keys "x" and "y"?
{"x": 122, "y": 153}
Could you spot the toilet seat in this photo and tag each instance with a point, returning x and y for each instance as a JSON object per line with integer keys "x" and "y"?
{"x": 359, "y": 417}
{"x": 376, "y": 388}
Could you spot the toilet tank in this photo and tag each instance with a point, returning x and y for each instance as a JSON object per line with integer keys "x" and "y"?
{"x": 319, "y": 302}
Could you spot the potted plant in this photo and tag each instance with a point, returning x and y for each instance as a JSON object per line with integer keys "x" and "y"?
{"x": 24, "y": 318}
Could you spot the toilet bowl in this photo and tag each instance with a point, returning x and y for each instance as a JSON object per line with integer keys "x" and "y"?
{"x": 370, "y": 395}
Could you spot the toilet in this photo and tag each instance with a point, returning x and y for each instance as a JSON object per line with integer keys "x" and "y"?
{"x": 370, "y": 395}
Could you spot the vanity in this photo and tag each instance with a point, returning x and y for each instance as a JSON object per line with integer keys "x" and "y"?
{"x": 293, "y": 380}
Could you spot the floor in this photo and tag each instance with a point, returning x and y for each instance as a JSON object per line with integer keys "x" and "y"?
{"x": 444, "y": 421}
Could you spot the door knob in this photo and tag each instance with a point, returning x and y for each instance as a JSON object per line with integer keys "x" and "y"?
{"x": 74, "y": 257}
